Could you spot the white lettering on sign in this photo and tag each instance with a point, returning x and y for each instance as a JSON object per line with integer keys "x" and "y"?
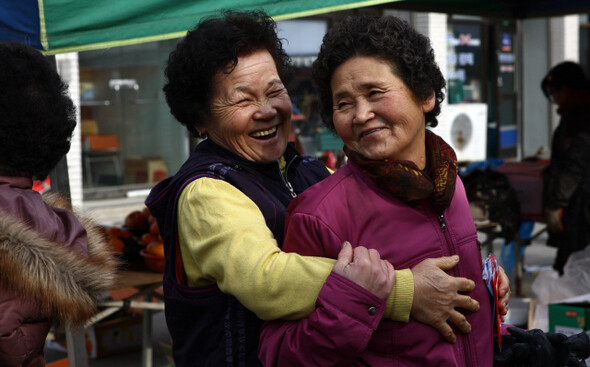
{"x": 505, "y": 58}
{"x": 466, "y": 58}
{"x": 463, "y": 58}
{"x": 464, "y": 39}
{"x": 456, "y": 74}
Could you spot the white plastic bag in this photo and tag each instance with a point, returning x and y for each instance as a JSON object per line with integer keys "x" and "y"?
{"x": 549, "y": 287}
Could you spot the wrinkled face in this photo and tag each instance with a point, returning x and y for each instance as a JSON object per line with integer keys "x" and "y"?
{"x": 250, "y": 109}
{"x": 375, "y": 114}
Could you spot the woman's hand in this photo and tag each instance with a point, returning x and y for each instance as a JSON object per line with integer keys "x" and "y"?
{"x": 553, "y": 218}
{"x": 503, "y": 293}
{"x": 437, "y": 295}
{"x": 366, "y": 268}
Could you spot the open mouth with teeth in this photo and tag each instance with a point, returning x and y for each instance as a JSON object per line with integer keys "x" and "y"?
{"x": 265, "y": 134}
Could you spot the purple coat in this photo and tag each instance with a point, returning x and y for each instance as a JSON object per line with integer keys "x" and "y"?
{"x": 54, "y": 267}
{"x": 349, "y": 206}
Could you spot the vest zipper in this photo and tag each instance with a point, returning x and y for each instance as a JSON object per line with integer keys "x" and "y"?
{"x": 293, "y": 194}
{"x": 285, "y": 181}
{"x": 443, "y": 224}
{"x": 443, "y": 228}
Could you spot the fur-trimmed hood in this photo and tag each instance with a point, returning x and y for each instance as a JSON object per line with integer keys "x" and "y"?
{"x": 65, "y": 285}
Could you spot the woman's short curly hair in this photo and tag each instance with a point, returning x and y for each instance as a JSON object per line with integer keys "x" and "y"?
{"x": 212, "y": 46}
{"x": 37, "y": 115}
{"x": 409, "y": 53}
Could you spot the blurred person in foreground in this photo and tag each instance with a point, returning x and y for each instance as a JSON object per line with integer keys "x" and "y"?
{"x": 399, "y": 194}
{"x": 567, "y": 185}
{"x": 54, "y": 264}
{"x": 222, "y": 214}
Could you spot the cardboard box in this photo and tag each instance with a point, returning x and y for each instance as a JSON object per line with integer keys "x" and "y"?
{"x": 89, "y": 127}
{"x": 100, "y": 142}
{"x": 569, "y": 318}
{"x": 145, "y": 170}
{"x": 116, "y": 336}
{"x": 110, "y": 337}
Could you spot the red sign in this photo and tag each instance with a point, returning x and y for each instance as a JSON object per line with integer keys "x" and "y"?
{"x": 571, "y": 313}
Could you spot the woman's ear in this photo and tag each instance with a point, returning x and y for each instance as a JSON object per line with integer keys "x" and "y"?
{"x": 201, "y": 130}
{"x": 428, "y": 103}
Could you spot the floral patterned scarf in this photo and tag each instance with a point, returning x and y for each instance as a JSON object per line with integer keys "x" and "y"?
{"x": 407, "y": 182}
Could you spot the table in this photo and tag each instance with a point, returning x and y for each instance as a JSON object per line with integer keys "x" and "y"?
{"x": 492, "y": 231}
{"x": 146, "y": 282}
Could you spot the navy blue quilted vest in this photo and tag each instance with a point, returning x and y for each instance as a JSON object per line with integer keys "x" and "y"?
{"x": 208, "y": 327}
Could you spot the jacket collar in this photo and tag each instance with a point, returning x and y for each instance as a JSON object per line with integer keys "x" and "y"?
{"x": 237, "y": 161}
{"x": 20, "y": 182}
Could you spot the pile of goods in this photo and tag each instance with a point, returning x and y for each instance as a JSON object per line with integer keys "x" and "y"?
{"x": 138, "y": 240}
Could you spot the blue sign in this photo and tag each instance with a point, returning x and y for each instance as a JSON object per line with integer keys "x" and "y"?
{"x": 506, "y": 42}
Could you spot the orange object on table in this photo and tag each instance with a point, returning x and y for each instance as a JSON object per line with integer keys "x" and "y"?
{"x": 156, "y": 263}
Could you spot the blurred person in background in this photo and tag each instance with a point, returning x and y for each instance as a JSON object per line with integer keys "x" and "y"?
{"x": 567, "y": 183}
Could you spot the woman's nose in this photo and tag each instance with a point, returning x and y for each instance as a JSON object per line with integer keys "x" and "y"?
{"x": 265, "y": 111}
{"x": 363, "y": 112}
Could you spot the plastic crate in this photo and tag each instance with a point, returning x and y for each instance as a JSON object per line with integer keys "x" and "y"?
{"x": 327, "y": 140}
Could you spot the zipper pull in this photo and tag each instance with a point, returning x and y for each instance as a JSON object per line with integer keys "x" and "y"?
{"x": 443, "y": 224}
{"x": 293, "y": 194}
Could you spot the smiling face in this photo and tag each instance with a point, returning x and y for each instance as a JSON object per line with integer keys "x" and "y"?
{"x": 250, "y": 109}
{"x": 376, "y": 114}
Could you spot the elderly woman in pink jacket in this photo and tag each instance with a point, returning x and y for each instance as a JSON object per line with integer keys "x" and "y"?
{"x": 398, "y": 194}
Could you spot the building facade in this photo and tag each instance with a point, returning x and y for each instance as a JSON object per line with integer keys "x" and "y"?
{"x": 127, "y": 140}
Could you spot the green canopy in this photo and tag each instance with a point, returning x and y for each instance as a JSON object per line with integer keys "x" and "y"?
{"x": 78, "y": 25}
{"x": 57, "y": 26}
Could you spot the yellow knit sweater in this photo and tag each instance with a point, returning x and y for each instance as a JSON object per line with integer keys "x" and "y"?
{"x": 224, "y": 239}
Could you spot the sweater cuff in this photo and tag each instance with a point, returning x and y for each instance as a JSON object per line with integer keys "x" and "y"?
{"x": 399, "y": 302}
{"x": 352, "y": 299}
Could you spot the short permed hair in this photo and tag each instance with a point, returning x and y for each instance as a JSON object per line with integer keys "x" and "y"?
{"x": 37, "y": 115}
{"x": 408, "y": 52}
{"x": 209, "y": 48}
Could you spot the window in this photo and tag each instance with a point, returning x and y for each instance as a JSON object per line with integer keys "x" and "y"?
{"x": 129, "y": 138}
{"x": 464, "y": 62}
